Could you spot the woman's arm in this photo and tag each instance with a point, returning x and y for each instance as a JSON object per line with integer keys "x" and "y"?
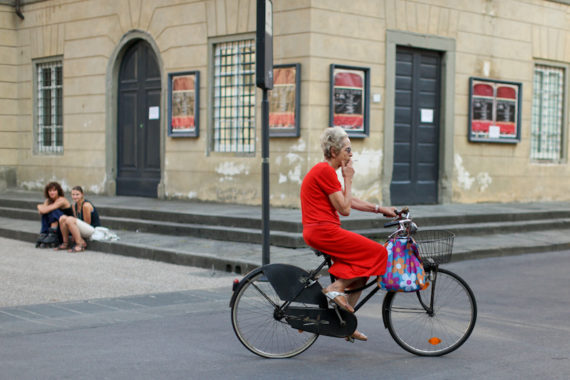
{"x": 45, "y": 208}
{"x": 360, "y": 205}
{"x": 41, "y": 206}
{"x": 87, "y": 209}
{"x": 342, "y": 200}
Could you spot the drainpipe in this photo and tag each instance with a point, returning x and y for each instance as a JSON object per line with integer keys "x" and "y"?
{"x": 18, "y": 9}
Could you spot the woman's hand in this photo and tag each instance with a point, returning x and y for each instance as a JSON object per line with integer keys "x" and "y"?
{"x": 347, "y": 170}
{"x": 389, "y": 212}
{"x": 342, "y": 200}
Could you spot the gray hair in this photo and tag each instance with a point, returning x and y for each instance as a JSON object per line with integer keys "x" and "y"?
{"x": 332, "y": 138}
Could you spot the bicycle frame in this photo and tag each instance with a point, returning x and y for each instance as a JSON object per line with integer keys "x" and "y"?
{"x": 273, "y": 298}
{"x": 406, "y": 227}
{"x": 428, "y": 308}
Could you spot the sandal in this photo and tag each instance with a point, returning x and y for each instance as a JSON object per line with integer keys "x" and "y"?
{"x": 77, "y": 248}
{"x": 356, "y": 335}
{"x": 62, "y": 247}
{"x": 339, "y": 299}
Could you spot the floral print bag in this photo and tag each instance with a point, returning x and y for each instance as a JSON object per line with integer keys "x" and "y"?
{"x": 404, "y": 271}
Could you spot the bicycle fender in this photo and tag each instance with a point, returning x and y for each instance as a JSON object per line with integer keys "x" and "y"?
{"x": 242, "y": 283}
{"x": 385, "y": 307}
{"x": 289, "y": 284}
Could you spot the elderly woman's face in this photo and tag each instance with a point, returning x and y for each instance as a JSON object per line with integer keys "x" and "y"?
{"x": 345, "y": 152}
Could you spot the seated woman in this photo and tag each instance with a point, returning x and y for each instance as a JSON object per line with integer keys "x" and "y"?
{"x": 355, "y": 258}
{"x": 54, "y": 207}
{"x": 82, "y": 224}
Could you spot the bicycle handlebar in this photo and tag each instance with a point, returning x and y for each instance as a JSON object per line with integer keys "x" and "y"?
{"x": 406, "y": 226}
{"x": 401, "y": 215}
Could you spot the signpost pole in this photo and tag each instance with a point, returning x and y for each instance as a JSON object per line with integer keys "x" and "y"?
{"x": 264, "y": 80}
{"x": 265, "y": 178}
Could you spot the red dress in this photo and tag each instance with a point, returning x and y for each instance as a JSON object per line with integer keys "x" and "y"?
{"x": 353, "y": 255}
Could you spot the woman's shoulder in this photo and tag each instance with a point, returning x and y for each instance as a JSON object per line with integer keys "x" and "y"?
{"x": 62, "y": 202}
{"x": 326, "y": 170}
{"x": 322, "y": 166}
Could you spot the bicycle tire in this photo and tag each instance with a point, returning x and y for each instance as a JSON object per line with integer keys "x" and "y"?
{"x": 451, "y": 324}
{"x": 257, "y": 327}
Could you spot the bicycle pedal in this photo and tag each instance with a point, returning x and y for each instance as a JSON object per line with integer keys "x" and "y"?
{"x": 311, "y": 283}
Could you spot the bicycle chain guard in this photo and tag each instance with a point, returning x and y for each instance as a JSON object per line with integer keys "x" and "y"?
{"x": 321, "y": 321}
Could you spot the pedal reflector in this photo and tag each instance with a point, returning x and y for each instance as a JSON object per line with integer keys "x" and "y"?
{"x": 434, "y": 341}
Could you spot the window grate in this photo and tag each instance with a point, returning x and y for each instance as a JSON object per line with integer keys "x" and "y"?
{"x": 234, "y": 97}
{"x": 548, "y": 96}
{"x": 50, "y": 107}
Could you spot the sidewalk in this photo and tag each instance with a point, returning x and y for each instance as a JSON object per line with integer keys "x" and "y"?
{"x": 482, "y": 230}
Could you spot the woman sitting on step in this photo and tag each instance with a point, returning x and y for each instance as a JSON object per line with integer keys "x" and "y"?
{"x": 81, "y": 225}
{"x": 52, "y": 209}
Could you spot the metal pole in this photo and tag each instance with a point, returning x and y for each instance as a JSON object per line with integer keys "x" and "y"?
{"x": 265, "y": 177}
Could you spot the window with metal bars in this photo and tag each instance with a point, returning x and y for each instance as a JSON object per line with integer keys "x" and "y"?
{"x": 547, "y": 113}
{"x": 234, "y": 96}
{"x": 49, "y": 107}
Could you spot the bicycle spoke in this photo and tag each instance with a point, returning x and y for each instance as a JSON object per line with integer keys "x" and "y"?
{"x": 256, "y": 326}
{"x": 447, "y": 328}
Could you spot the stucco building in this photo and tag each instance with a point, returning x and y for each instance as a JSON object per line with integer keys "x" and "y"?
{"x": 446, "y": 100}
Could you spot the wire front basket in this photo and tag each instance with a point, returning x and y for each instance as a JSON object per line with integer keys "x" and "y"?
{"x": 434, "y": 246}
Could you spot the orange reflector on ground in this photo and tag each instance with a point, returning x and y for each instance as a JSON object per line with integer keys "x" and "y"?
{"x": 435, "y": 341}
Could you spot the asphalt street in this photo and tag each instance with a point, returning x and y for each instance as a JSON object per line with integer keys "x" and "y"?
{"x": 180, "y": 328}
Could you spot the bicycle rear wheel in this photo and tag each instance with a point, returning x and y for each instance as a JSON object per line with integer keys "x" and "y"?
{"x": 435, "y": 333}
{"x": 260, "y": 328}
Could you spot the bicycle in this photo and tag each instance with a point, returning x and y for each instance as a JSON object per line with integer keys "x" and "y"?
{"x": 279, "y": 310}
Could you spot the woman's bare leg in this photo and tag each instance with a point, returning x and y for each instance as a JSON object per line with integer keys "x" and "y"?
{"x": 64, "y": 229}
{"x": 357, "y": 283}
{"x": 72, "y": 225}
{"x": 339, "y": 285}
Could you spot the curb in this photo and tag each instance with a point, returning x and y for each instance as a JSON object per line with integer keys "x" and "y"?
{"x": 154, "y": 254}
{"x": 224, "y": 264}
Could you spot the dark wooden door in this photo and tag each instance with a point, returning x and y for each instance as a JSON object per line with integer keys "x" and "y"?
{"x": 138, "y": 140}
{"x": 415, "y": 175}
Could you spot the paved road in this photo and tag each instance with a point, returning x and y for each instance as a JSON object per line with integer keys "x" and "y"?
{"x": 34, "y": 276}
{"x": 185, "y": 333}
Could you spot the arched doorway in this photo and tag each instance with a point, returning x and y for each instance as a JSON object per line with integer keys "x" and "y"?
{"x": 138, "y": 122}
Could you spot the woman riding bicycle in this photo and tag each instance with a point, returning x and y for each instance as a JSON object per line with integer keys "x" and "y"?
{"x": 355, "y": 258}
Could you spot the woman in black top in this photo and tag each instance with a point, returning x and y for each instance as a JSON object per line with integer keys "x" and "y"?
{"x": 52, "y": 210}
{"x": 82, "y": 224}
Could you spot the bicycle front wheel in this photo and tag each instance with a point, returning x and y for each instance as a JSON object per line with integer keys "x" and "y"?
{"x": 440, "y": 330}
{"x": 258, "y": 325}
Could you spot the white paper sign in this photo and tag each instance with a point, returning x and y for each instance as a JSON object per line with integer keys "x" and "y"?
{"x": 494, "y": 132}
{"x": 427, "y": 115}
{"x": 153, "y": 113}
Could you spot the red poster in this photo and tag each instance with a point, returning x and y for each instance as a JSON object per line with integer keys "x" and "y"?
{"x": 494, "y": 110}
{"x": 282, "y": 98}
{"x": 183, "y": 99}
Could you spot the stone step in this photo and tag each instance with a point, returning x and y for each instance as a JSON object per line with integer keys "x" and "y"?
{"x": 285, "y": 233}
{"x": 154, "y": 215}
{"x": 204, "y": 231}
{"x": 243, "y": 257}
{"x": 290, "y": 220}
